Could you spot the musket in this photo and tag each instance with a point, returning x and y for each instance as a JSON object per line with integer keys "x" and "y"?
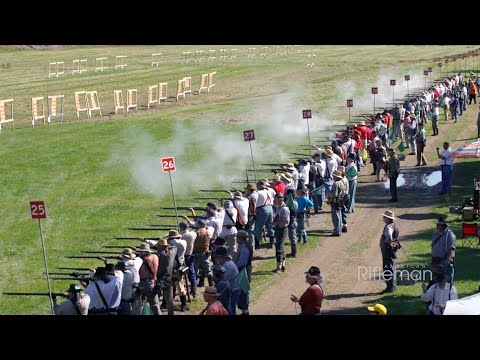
{"x": 214, "y": 191}
{"x": 274, "y": 164}
{"x": 35, "y": 294}
{"x": 165, "y": 225}
{"x": 102, "y": 258}
{"x": 146, "y": 229}
{"x": 166, "y": 216}
{"x": 137, "y": 238}
{"x": 211, "y": 198}
{"x": 184, "y": 208}
{"x": 68, "y": 274}
{"x": 267, "y": 170}
{"x": 240, "y": 182}
{"x": 102, "y": 252}
{"x": 298, "y": 154}
{"x": 119, "y": 247}
{"x": 73, "y": 268}
{"x": 70, "y": 279}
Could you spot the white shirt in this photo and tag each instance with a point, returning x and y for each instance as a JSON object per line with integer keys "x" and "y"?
{"x": 189, "y": 237}
{"x": 134, "y": 266}
{"x": 439, "y": 296}
{"x": 295, "y": 178}
{"x": 448, "y": 155}
{"x": 95, "y": 299}
{"x": 216, "y": 224}
{"x": 117, "y": 283}
{"x": 181, "y": 246}
{"x": 332, "y": 165}
{"x": 242, "y": 209}
{"x": 67, "y": 307}
{"x": 265, "y": 197}
{"x": 228, "y": 221}
{"x": 305, "y": 173}
{"x": 320, "y": 165}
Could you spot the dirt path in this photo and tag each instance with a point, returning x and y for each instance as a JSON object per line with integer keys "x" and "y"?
{"x": 339, "y": 258}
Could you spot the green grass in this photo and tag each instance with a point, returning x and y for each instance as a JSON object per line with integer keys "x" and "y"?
{"x": 81, "y": 168}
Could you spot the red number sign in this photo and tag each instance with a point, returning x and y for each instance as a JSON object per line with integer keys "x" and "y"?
{"x": 393, "y": 82}
{"x": 429, "y": 70}
{"x": 440, "y": 65}
{"x": 248, "y": 135}
{"x": 407, "y": 77}
{"x": 425, "y": 72}
{"x": 307, "y": 114}
{"x": 349, "y": 103}
{"x": 168, "y": 164}
{"x": 37, "y": 209}
{"x": 374, "y": 90}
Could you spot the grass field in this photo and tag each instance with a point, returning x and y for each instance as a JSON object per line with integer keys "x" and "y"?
{"x": 101, "y": 176}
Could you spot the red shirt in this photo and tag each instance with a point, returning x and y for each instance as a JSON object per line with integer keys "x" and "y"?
{"x": 368, "y": 132}
{"x": 311, "y": 300}
{"x": 280, "y": 188}
{"x": 216, "y": 308}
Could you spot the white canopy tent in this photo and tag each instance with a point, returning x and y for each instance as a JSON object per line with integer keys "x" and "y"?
{"x": 469, "y": 305}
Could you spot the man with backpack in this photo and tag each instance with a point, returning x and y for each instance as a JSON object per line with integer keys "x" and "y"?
{"x": 389, "y": 245}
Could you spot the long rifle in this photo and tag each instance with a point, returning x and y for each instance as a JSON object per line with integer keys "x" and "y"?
{"x": 73, "y": 268}
{"x": 119, "y": 247}
{"x": 35, "y": 294}
{"x": 70, "y": 278}
{"x": 102, "y": 252}
{"x": 163, "y": 225}
{"x": 150, "y": 229}
{"x": 214, "y": 191}
{"x": 137, "y": 238}
{"x": 166, "y": 216}
{"x": 68, "y": 274}
{"x": 102, "y": 258}
{"x": 184, "y": 208}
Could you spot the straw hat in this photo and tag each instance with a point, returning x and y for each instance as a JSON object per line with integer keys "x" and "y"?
{"x": 128, "y": 253}
{"x": 290, "y": 166}
{"x": 173, "y": 234}
{"x": 341, "y": 168}
{"x": 162, "y": 242}
{"x": 328, "y": 152}
{"x": 337, "y": 174}
{"x": 389, "y": 214}
{"x": 144, "y": 248}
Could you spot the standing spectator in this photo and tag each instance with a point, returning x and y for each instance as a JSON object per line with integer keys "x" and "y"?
{"x": 421, "y": 141}
{"x": 303, "y": 210}
{"x": 281, "y": 218}
{"x": 478, "y": 125}
{"x": 388, "y": 246}
{"x": 472, "y": 93}
{"x": 352, "y": 174}
{"x": 336, "y": 200}
{"x": 443, "y": 247}
{"x": 243, "y": 260}
{"x": 311, "y": 300}
{"x": 454, "y": 103}
{"x": 393, "y": 172}
{"x": 214, "y": 307}
{"x": 439, "y": 294}
{"x": 446, "y": 164}
{"x": 435, "y": 113}
{"x": 380, "y": 159}
{"x": 445, "y": 104}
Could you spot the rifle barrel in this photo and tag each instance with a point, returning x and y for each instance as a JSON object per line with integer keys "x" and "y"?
{"x": 119, "y": 247}
{"x": 91, "y": 257}
{"x": 66, "y": 274}
{"x": 214, "y": 191}
{"x": 102, "y": 252}
{"x": 167, "y": 216}
{"x": 72, "y": 268}
{"x": 184, "y": 208}
{"x": 164, "y": 225}
{"x": 34, "y": 294}
{"x": 137, "y": 238}
{"x": 143, "y": 229}
{"x": 70, "y": 279}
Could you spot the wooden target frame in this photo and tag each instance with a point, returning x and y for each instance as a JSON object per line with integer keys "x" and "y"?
{"x": 199, "y": 55}
{"x": 52, "y": 107}
{"x": 132, "y": 99}
{"x": 3, "y": 113}
{"x": 156, "y": 59}
{"x": 118, "y": 102}
{"x": 180, "y": 88}
{"x": 212, "y": 55}
{"x": 101, "y": 64}
{"x": 58, "y": 69}
{"x": 163, "y": 92}
{"x": 80, "y": 98}
{"x": 152, "y": 96}
{"x": 38, "y": 110}
{"x": 203, "y": 84}
{"x": 186, "y": 57}
{"x": 120, "y": 61}
{"x": 233, "y": 53}
{"x": 93, "y": 104}
{"x": 187, "y": 85}
{"x": 211, "y": 81}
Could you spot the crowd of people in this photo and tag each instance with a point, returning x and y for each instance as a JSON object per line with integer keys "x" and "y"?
{"x": 219, "y": 245}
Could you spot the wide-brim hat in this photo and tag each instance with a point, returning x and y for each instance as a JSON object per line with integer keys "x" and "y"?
{"x": 144, "y": 248}
{"x": 337, "y": 174}
{"x": 162, "y": 242}
{"x": 389, "y": 214}
{"x": 328, "y": 152}
{"x": 222, "y": 251}
{"x": 287, "y": 176}
{"x": 212, "y": 291}
{"x": 363, "y": 123}
{"x": 313, "y": 271}
{"x": 74, "y": 288}
{"x": 174, "y": 234}
{"x": 341, "y": 168}
{"x": 289, "y": 166}
{"x": 442, "y": 220}
{"x": 237, "y": 194}
{"x": 128, "y": 253}
{"x": 250, "y": 187}
{"x": 276, "y": 178}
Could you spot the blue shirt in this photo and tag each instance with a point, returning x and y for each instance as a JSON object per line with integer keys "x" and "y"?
{"x": 303, "y": 202}
{"x": 231, "y": 274}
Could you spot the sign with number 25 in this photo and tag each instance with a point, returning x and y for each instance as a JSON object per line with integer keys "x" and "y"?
{"x": 37, "y": 209}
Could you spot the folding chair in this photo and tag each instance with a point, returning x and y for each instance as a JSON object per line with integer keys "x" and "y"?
{"x": 470, "y": 234}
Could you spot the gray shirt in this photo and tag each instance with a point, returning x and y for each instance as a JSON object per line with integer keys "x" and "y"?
{"x": 281, "y": 213}
{"x": 442, "y": 242}
{"x": 387, "y": 235}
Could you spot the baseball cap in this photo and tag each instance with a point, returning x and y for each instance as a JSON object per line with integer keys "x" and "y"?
{"x": 313, "y": 271}
{"x": 378, "y": 308}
